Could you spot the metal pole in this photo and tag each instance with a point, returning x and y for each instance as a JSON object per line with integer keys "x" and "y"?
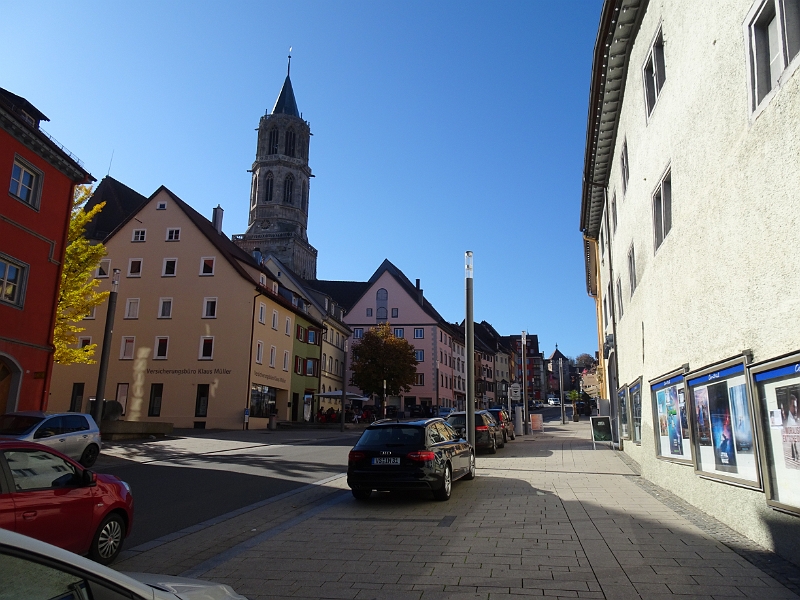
{"x": 97, "y": 409}
{"x": 469, "y": 334}
{"x": 525, "y": 417}
{"x": 384, "y": 398}
{"x": 344, "y": 383}
{"x": 561, "y": 390}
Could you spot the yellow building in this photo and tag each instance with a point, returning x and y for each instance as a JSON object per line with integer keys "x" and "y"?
{"x": 201, "y": 331}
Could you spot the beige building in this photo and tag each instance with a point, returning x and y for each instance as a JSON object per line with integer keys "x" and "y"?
{"x": 201, "y": 332}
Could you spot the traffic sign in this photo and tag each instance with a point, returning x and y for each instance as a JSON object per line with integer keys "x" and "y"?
{"x": 514, "y": 391}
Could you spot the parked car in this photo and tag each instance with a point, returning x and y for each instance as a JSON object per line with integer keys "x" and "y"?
{"x": 554, "y": 401}
{"x": 44, "y": 571}
{"x": 425, "y": 454}
{"x": 48, "y": 496}
{"x": 503, "y": 419}
{"x": 487, "y": 431}
{"x": 444, "y": 411}
{"x": 73, "y": 434}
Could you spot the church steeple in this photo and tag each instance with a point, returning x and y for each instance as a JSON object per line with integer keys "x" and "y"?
{"x": 286, "y": 103}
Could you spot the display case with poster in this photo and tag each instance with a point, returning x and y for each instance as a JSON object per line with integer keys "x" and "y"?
{"x": 635, "y": 397}
{"x": 776, "y": 387}
{"x": 670, "y": 418}
{"x": 720, "y": 410}
{"x": 622, "y": 413}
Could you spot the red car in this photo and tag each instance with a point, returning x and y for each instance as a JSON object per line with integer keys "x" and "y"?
{"x": 50, "y": 497}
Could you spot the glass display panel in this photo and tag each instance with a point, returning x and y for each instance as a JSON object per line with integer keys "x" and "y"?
{"x": 722, "y": 419}
{"x": 622, "y": 413}
{"x": 635, "y": 394}
{"x": 671, "y": 419}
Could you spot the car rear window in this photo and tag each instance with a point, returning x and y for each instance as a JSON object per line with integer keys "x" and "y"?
{"x": 394, "y": 435}
{"x": 17, "y": 424}
{"x": 457, "y": 421}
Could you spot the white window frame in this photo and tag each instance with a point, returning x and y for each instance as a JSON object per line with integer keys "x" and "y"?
{"x": 162, "y": 205}
{"x": 203, "y": 260}
{"x": 275, "y": 319}
{"x": 156, "y": 356}
{"x": 419, "y": 355}
{"x": 141, "y": 267}
{"x": 288, "y": 326}
{"x": 286, "y": 358}
{"x": 662, "y": 209}
{"x": 139, "y": 235}
{"x": 260, "y": 352}
{"x": 122, "y": 354}
{"x": 161, "y": 302}
{"x": 164, "y": 268}
{"x": 35, "y": 197}
{"x": 173, "y": 234}
{"x": 421, "y": 332}
{"x": 100, "y": 269}
{"x": 206, "y": 300}
{"x": 395, "y": 313}
{"x": 91, "y": 314}
{"x": 401, "y": 330}
{"x": 620, "y": 304}
{"x": 273, "y": 351}
{"x": 653, "y": 72}
{"x": 128, "y": 304}
{"x": 84, "y": 338}
{"x": 200, "y": 351}
{"x": 358, "y": 333}
{"x": 262, "y": 313}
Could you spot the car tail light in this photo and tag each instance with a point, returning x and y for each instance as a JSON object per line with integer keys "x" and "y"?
{"x": 355, "y": 456}
{"x": 482, "y": 428}
{"x": 421, "y": 456}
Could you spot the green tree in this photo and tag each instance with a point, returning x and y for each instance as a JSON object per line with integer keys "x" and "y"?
{"x": 573, "y": 396}
{"x": 379, "y": 357}
{"x": 78, "y": 294}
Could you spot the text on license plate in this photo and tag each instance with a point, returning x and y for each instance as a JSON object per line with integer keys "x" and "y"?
{"x": 388, "y": 460}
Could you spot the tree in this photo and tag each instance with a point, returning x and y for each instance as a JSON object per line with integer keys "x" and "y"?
{"x": 78, "y": 294}
{"x": 379, "y": 357}
{"x": 585, "y": 361}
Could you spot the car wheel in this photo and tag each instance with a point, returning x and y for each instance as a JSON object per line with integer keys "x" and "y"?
{"x": 471, "y": 473}
{"x": 89, "y": 456}
{"x": 361, "y": 494}
{"x": 107, "y": 540}
{"x": 493, "y": 449}
{"x": 443, "y": 493}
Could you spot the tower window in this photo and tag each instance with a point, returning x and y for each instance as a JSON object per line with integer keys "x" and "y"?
{"x": 289, "y": 145}
{"x": 303, "y": 197}
{"x": 268, "y": 185}
{"x": 288, "y": 190}
{"x": 272, "y": 147}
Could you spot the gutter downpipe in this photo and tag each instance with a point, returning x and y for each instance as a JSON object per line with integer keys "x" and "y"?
{"x": 615, "y": 444}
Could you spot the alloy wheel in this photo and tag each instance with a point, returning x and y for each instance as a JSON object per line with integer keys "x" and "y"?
{"x": 110, "y": 539}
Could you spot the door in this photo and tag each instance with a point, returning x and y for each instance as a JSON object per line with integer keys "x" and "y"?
{"x": 50, "y": 503}
{"x": 76, "y": 400}
{"x": 201, "y": 402}
{"x": 76, "y": 432}
{"x": 295, "y": 406}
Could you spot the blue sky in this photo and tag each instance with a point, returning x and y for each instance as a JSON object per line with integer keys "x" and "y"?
{"x": 438, "y": 127}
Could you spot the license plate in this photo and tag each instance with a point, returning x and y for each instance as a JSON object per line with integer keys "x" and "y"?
{"x": 386, "y": 461}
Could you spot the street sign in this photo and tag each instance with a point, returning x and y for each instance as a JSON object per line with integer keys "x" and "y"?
{"x": 514, "y": 391}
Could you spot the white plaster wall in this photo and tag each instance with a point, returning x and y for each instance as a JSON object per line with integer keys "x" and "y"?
{"x": 725, "y": 277}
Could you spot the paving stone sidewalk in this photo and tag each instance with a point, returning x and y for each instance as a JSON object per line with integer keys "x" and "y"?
{"x": 547, "y": 516}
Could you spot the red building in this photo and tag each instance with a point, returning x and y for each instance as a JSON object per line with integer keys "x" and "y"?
{"x": 40, "y": 176}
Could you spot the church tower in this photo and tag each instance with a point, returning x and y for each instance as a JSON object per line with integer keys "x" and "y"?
{"x": 279, "y": 189}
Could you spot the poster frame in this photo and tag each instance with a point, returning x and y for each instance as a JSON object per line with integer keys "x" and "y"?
{"x": 663, "y": 379}
{"x": 762, "y": 427}
{"x": 632, "y": 389}
{"x": 592, "y": 420}
{"x": 623, "y": 391}
{"x": 742, "y": 359}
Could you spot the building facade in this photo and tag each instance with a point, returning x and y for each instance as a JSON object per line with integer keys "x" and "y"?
{"x": 689, "y": 201}
{"x": 40, "y": 177}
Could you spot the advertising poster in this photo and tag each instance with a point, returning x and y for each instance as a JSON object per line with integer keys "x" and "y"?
{"x": 622, "y": 404}
{"x": 636, "y": 411}
{"x": 723, "y": 421}
{"x": 778, "y": 392}
{"x": 672, "y": 423}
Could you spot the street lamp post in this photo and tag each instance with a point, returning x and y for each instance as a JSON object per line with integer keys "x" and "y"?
{"x": 561, "y": 390}
{"x": 469, "y": 334}
{"x": 344, "y": 383}
{"x": 525, "y": 416}
{"x": 97, "y": 409}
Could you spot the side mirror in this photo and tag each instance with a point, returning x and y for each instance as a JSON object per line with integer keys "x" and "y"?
{"x": 89, "y": 478}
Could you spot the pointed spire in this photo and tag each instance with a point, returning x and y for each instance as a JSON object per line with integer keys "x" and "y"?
{"x": 286, "y": 103}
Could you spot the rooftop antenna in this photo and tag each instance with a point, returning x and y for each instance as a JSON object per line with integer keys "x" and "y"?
{"x": 109, "y": 163}
{"x": 289, "y": 68}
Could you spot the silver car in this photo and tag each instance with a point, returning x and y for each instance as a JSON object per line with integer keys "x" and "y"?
{"x": 73, "y": 434}
{"x": 33, "y": 569}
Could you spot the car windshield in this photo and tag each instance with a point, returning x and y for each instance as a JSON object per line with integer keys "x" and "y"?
{"x": 457, "y": 421}
{"x": 18, "y": 424}
{"x": 394, "y": 435}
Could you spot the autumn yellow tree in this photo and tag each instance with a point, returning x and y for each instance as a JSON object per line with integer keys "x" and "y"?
{"x": 78, "y": 294}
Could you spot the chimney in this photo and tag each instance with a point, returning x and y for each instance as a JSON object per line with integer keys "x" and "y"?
{"x": 419, "y": 294}
{"x": 216, "y": 218}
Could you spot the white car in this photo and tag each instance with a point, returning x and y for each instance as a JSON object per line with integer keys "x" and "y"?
{"x": 33, "y": 569}
{"x": 73, "y": 434}
{"x": 554, "y": 402}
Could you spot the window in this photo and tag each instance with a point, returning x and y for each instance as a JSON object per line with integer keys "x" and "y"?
{"x": 259, "y": 352}
{"x": 156, "y": 393}
{"x": 653, "y": 72}
{"x": 395, "y": 313}
{"x": 165, "y": 308}
{"x": 662, "y": 209}
{"x": 269, "y": 185}
{"x": 285, "y": 360}
{"x": 161, "y": 348}
{"x": 139, "y": 235}
{"x": 84, "y": 341}
{"x": 275, "y": 320}
{"x": 398, "y": 332}
{"x": 301, "y": 333}
{"x": 262, "y": 313}
{"x": 419, "y": 379}
{"x": 76, "y": 400}
{"x": 206, "y": 348}
{"x": 330, "y": 364}
{"x": 132, "y": 308}
{"x": 381, "y": 314}
{"x": 625, "y": 167}
{"x": 312, "y": 367}
{"x": 25, "y": 182}
{"x": 312, "y": 337}
{"x": 288, "y": 326}
{"x": 201, "y": 402}
{"x": 369, "y": 312}
{"x": 273, "y": 351}
{"x": 161, "y": 205}
{"x": 619, "y": 298}
{"x": 336, "y": 366}
{"x": 207, "y": 265}
{"x": 134, "y": 267}
{"x": 773, "y": 37}
{"x": 632, "y": 269}
{"x": 91, "y": 315}
{"x": 299, "y": 364}
{"x": 602, "y": 244}
{"x": 126, "y": 348}
{"x": 174, "y": 234}
{"x": 288, "y": 147}
{"x": 104, "y": 269}
{"x": 358, "y": 333}
{"x": 419, "y": 333}
{"x": 170, "y": 267}
{"x": 288, "y": 190}
{"x": 209, "y": 308}
{"x": 12, "y": 281}
{"x": 324, "y": 361}
{"x": 33, "y": 469}
{"x": 272, "y": 146}
{"x": 419, "y": 355}
{"x": 614, "y": 212}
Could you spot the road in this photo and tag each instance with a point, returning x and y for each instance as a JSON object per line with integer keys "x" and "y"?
{"x": 190, "y": 478}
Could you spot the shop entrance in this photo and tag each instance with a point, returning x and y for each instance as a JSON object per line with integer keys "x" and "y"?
{"x": 295, "y": 406}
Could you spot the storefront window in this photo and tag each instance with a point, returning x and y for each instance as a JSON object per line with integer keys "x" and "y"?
{"x": 262, "y": 400}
